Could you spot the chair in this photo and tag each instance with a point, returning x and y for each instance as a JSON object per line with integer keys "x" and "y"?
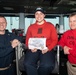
{"x": 20, "y": 57}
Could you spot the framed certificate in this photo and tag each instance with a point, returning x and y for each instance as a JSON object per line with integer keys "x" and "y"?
{"x": 38, "y": 43}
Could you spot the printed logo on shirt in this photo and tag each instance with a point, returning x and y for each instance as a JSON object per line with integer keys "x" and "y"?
{"x": 72, "y": 40}
{"x": 39, "y": 31}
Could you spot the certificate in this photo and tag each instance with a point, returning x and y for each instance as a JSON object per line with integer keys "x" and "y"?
{"x": 38, "y": 43}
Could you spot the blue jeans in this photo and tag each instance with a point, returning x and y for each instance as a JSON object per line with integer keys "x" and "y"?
{"x": 45, "y": 66}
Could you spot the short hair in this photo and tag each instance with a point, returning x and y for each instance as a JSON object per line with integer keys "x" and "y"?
{"x": 72, "y": 14}
{"x": 3, "y": 17}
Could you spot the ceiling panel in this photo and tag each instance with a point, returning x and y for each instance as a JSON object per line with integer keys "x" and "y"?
{"x": 28, "y": 6}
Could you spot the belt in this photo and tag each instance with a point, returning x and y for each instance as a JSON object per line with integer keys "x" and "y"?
{"x": 5, "y": 68}
{"x": 74, "y": 65}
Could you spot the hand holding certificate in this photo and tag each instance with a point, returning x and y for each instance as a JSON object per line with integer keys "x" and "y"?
{"x": 38, "y": 43}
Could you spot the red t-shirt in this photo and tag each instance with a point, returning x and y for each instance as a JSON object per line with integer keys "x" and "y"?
{"x": 69, "y": 39}
{"x": 46, "y": 30}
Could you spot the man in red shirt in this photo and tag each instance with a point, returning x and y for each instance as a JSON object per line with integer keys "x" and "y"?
{"x": 46, "y": 57}
{"x": 68, "y": 43}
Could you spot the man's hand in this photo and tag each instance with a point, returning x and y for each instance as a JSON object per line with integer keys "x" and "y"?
{"x": 15, "y": 43}
{"x": 66, "y": 49}
{"x": 34, "y": 50}
{"x": 45, "y": 51}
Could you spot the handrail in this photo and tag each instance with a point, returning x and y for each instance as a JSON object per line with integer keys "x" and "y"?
{"x": 18, "y": 50}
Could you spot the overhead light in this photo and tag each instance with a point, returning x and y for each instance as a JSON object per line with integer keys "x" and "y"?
{"x": 8, "y": 8}
{"x": 72, "y": 2}
{"x": 55, "y": 7}
{"x": 73, "y": 9}
{"x": 63, "y": 1}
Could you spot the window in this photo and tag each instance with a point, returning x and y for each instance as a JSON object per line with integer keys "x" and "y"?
{"x": 66, "y": 24}
{"x": 12, "y": 22}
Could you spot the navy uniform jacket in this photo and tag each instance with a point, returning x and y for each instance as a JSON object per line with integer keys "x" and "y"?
{"x": 6, "y": 50}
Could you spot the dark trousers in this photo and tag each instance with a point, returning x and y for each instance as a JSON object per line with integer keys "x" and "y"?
{"x": 39, "y": 64}
{"x": 5, "y": 62}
